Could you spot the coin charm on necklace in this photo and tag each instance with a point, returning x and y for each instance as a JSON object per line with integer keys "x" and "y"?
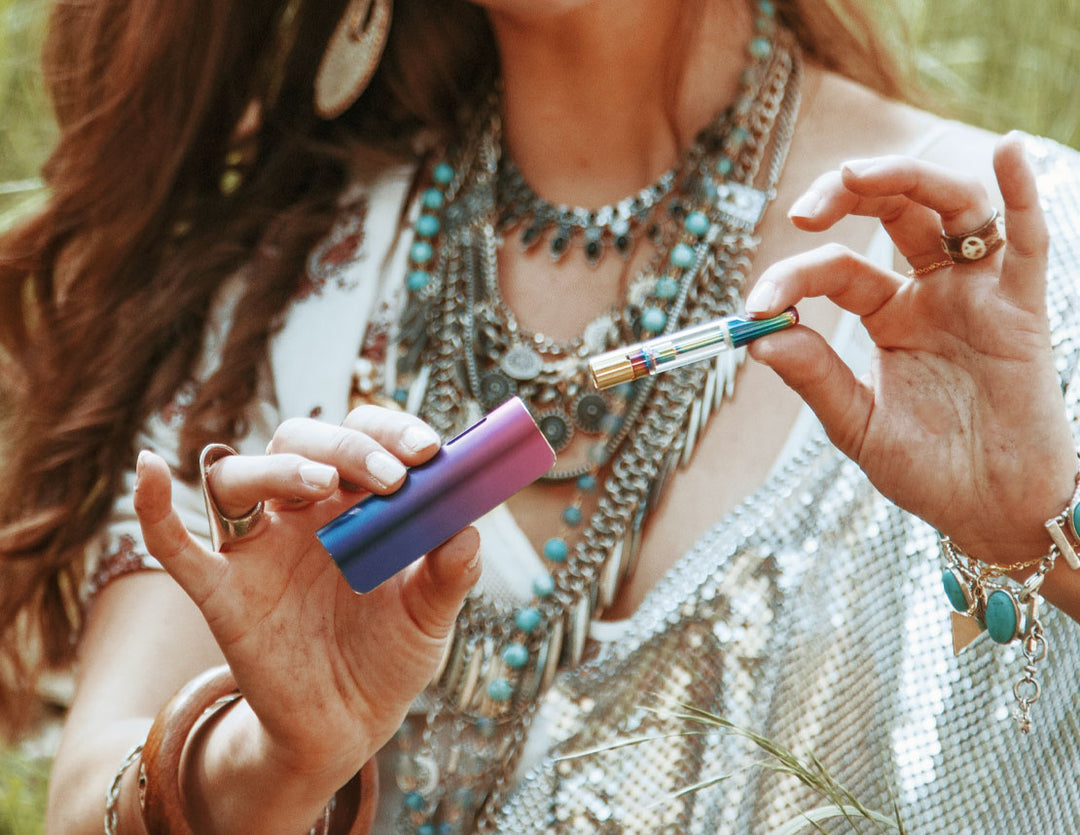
{"x": 495, "y": 389}
{"x": 521, "y": 363}
{"x": 590, "y": 411}
{"x": 556, "y": 428}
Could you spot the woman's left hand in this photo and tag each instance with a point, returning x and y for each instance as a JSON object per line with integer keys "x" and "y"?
{"x": 961, "y": 419}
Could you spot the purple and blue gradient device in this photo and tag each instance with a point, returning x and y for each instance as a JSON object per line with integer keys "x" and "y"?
{"x": 470, "y": 475}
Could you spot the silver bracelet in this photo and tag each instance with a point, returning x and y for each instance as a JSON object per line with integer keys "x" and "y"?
{"x": 112, "y": 796}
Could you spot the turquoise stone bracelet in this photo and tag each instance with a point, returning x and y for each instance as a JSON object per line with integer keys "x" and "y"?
{"x": 1002, "y": 616}
{"x": 986, "y": 596}
{"x": 959, "y": 593}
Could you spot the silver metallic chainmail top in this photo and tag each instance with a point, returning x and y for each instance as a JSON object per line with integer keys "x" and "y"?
{"x": 815, "y": 615}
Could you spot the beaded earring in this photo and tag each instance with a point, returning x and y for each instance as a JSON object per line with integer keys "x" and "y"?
{"x": 351, "y": 56}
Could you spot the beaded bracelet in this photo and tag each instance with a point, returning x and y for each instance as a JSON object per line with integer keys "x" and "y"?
{"x": 1004, "y": 608}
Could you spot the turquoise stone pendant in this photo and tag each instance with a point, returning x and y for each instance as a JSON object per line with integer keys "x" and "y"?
{"x": 958, "y": 592}
{"x": 1003, "y": 618}
{"x": 966, "y": 619}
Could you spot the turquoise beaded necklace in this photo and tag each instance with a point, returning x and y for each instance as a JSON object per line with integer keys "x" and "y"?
{"x": 680, "y": 209}
{"x": 460, "y": 351}
{"x": 517, "y": 362}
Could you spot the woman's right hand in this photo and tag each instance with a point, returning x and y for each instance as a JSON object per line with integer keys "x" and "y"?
{"x": 328, "y": 673}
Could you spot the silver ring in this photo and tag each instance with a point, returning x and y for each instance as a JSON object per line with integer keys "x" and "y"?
{"x": 223, "y": 528}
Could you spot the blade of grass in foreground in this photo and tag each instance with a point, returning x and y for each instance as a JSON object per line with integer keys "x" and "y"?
{"x": 840, "y": 803}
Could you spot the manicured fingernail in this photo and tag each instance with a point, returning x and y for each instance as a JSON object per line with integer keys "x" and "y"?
{"x": 417, "y": 438}
{"x": 762, "y": 298}
{"x": 384, "y": 468}
{"x": 474, "y": 561}
{"x": 860, "y": 166}
{"x": 140, "y": 466}
{"x": 318, "y": 476}
{"x": 806, "y": 205}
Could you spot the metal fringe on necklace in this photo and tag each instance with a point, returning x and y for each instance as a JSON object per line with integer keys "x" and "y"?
{"x": 498, "y": 663}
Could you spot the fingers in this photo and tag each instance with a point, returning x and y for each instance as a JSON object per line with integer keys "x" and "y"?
{"x": 917, "y": 200}
{"x": 913, "y": 228}
{"x": 403, "y": 434}
{"x": 801, "y": 357}
{"x": 914, "y": 199}
{"x": 308, "y": 460}
{"x": 436, "y": 586}
{"x": 370, "y": 449}
{"x": 189, "y": 563}
{"x": 239, "y": 482}
{"x": 960, "y": 201}
{"x": 848, "y": 279}
{"x": 1023, "y": 273}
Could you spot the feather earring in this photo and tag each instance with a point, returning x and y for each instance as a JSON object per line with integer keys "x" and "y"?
{"x": 351, "y": 56}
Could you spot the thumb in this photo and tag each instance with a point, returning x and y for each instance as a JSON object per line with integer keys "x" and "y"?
{"x": 813, "y": 370}
{"x": 167, "y": 539}
{"x": 434, "y": 592}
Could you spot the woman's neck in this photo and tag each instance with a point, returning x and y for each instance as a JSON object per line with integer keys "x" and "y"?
{"x": 598, "y": 101}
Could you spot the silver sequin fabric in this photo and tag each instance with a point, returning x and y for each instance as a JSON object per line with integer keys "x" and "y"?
{"x": 815, "y": 615}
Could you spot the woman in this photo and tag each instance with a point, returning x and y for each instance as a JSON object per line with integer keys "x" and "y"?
{"x": 809, "y": 607}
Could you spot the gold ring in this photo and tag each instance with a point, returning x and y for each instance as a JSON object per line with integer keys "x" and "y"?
{"x": 918, "y": 272}
{"x": 223, "y": 528}
{"x": 976, "y": 244}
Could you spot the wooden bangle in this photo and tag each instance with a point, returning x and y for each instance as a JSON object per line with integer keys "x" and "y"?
{"x": 355, "y": 804}
{"x": 159, "y": 771}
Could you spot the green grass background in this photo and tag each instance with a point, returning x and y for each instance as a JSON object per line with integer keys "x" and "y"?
{"x": 997, "y": 63}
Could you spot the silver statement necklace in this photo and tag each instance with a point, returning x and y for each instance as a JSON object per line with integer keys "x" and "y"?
{"x": 608, "y": 228}
{"x": 459, "y": 352}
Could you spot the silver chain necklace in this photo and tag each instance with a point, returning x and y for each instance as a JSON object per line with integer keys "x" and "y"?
{"x": 498, "y": 663}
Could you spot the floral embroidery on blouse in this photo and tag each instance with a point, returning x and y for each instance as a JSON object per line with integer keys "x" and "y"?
{"x": 173, "y": 413}
{"x": 126, "y": 558}
{"x": 342, "y": 246}
{"x": 377, "y": 335}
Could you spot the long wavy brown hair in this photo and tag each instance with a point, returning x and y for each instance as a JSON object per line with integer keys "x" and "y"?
{"x": 188, "y": 148}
